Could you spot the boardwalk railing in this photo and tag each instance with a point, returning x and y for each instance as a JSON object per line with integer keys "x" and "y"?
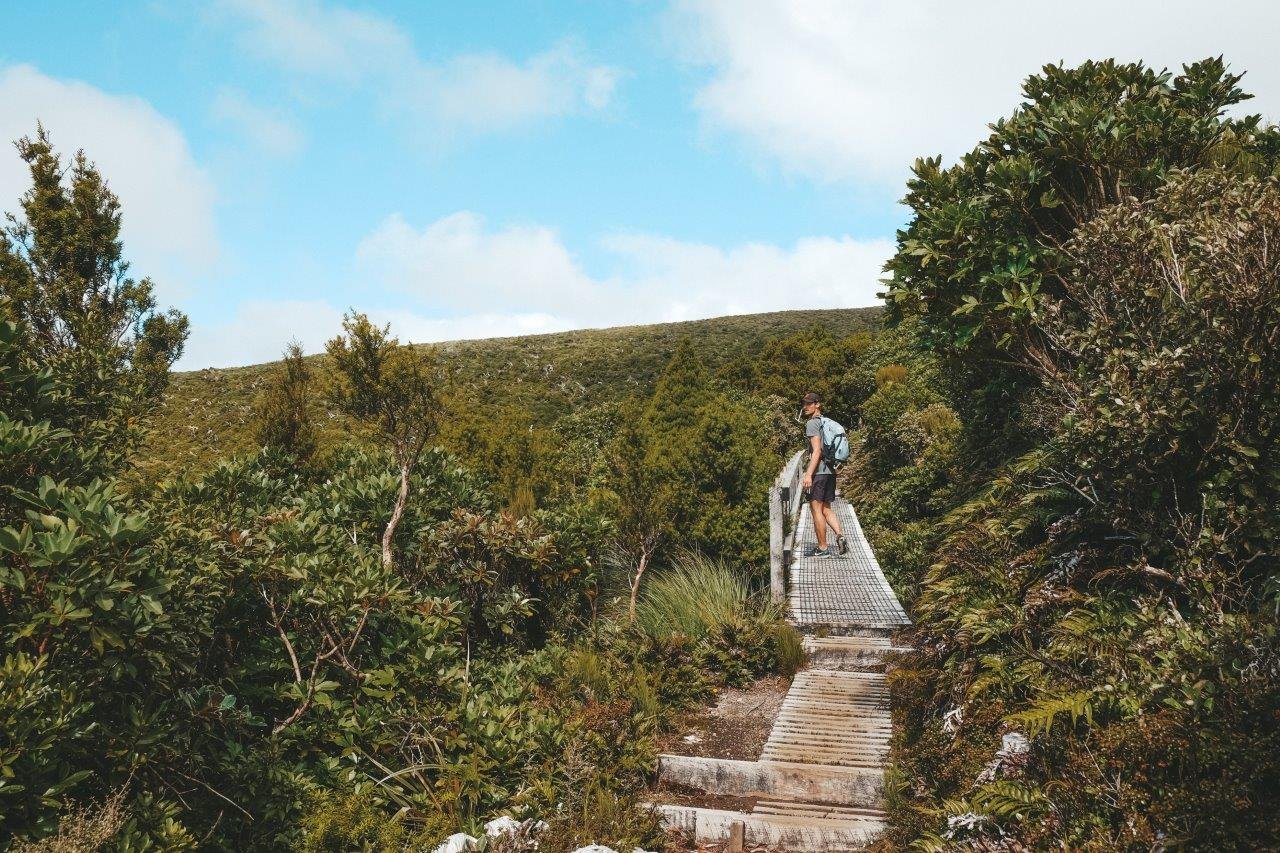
{"x": 784, "y": 510}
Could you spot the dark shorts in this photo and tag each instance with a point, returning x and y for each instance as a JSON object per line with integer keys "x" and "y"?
{"x": 824, "y": 488}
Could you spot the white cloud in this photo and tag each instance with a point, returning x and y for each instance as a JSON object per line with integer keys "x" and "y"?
{"x": 486, "y": 92}
{"x": 522, "y": 279}
{"x": 456, "y": 264}
{"x": 309, "y": 37}
{"x": 167, "y": 199}
{"x": 856, "y": 91}
{"x": 469, "y": 93}
{"x": 675, "y": 280}
{"x": 260, "y": 330}
{"x": 268, "y": 130}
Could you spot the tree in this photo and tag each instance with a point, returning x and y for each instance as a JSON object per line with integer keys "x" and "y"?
{"x": 83, "y": 353}
{"x": 644, "y": 502}
{"x": 285, "y": 414}
{"x": 673, "y": 407}
{"x": 62, "y": 270}
{"x": 985, "y": 252}
{"x": 392, "y": 386}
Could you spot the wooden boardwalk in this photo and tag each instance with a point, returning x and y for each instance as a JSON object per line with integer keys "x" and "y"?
{"x": 818, "y": 782}
{"x": 841, "y": 595}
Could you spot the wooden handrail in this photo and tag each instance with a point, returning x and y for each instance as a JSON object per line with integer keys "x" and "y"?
{"x": 784, "y": 508}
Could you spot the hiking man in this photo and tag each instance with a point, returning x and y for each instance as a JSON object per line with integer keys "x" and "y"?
{"x": 820, "y": 480}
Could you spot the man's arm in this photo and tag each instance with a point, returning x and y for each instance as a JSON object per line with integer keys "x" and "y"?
{"x": 815, "y": 456}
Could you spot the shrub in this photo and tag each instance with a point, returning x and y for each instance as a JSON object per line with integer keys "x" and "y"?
{"x": 353, "y": 820}
{"x": 889, "y": 374}
{"x": 83, "y": 829}
{"x": 1094, "y": 559}
{"x": 286, "y": 411}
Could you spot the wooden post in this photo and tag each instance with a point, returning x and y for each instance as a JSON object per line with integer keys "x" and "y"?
{"x": 777, "y": 580}
{"x": 737, "y": 837}
{"x": 784, "y": 494}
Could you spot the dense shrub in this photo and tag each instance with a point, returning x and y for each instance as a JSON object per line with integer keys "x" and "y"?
{"x": 1095, "y": 562}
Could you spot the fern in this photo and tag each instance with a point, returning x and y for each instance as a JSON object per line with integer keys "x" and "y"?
{"x": 1008, "y": 798}
{"x": 1042, "y": 714}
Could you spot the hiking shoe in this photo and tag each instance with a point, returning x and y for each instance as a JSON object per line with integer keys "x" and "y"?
{"x": 818, "y": 552}
{"x": 842, "y": 545}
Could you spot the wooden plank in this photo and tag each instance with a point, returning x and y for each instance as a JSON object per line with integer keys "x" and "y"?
{"x": 848, "y": 786}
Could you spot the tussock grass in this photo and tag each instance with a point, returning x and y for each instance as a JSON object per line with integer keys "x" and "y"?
{"x": 697, "y": 594}
{"x": 693, "y": 596}
{"x": 789, "y": 647}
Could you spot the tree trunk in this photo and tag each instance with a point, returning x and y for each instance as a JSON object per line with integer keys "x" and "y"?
{"x": 635, "y": 584}
{"x": 401, "y": 498}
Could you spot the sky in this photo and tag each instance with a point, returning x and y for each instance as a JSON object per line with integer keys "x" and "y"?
{"x": 463, "y": 170}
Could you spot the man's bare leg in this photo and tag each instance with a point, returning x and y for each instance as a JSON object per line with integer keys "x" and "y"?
{"x": 829, "y": 515}
{"x": 818, "y": 515}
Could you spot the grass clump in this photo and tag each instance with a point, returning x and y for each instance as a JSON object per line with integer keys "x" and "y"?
{"x": 736, "y": 632}
{"x": 694, "y": 596}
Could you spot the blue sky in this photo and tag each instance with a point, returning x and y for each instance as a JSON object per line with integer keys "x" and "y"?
{"x": 465, "y": 170}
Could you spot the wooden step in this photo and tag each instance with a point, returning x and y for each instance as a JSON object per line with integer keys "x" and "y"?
{"x": 848, "y": 786}
{"x": 851, "y": 653}
{"x": 781, "y": 831}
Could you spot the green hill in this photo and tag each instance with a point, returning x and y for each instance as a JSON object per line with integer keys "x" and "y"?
{"x": 209, "y": 414}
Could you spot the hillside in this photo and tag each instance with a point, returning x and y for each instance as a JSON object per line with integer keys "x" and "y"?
{"x": 208, "y": 414}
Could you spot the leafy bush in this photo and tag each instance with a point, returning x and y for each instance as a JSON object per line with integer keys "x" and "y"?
{"x": 1092, "y": 532}
{"x": 286, "y": 416}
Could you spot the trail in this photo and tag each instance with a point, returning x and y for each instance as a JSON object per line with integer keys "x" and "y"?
{"x": 818, "y": 783}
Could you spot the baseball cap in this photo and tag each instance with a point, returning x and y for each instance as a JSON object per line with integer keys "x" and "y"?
{"x": 810, "y": 398}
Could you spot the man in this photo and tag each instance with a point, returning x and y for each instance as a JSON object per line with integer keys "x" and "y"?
{"x": 820, "y": 481}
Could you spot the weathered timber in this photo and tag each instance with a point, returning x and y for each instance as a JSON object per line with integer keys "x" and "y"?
{"x": 820, "y": 777}
{"x": 850, "y": 786}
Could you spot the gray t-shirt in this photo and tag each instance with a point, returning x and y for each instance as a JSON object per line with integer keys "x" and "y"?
{"x": 813, "y": 427}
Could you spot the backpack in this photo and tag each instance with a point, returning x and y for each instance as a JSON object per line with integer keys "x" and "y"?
{"x": 835, "y": 443}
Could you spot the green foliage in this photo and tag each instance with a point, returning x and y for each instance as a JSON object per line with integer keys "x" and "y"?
{"x": 389, "y": 385}
{"x": 1164, "y": 353}
{"x": 1091, "y": 519}
{"x": 393, "y": 388}
{"x": 890, "y": 374}
{"x": 984, "y": 252}
{"x": 343, "y": 821}
{"x": 739, "y": 634}
{"x": 81, "y": 598}
{"x": 83, "y": 320}
{"x": 694, "y": 596}
{"x": 564, "y": 383}
{"x": 286, "y": 413}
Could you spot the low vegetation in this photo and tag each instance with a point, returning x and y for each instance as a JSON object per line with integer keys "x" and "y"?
{"x": 543, "y": 388}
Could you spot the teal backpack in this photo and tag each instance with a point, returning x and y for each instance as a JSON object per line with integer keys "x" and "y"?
{"x": 835, "y": 443}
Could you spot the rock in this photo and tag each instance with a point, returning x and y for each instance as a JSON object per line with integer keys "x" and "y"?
{"x": 1013, "y": 744}
{"x": 456, "y": 843}
{"x": 503, "y": 825}
{"x": 595, "y": 848}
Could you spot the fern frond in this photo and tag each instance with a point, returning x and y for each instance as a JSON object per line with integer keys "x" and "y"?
{"x": 1040, "y": 717}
